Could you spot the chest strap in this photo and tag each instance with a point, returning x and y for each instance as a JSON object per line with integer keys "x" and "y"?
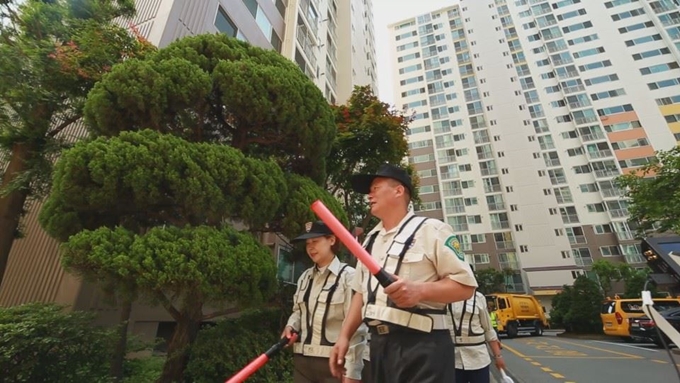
{"x": 309, "y": 313}
{"x": 415, "y": 318}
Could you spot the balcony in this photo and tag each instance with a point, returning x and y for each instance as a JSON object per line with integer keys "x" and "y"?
{"x": 455, "y": 209}
{"x": 592, "y": 137}
{"x": 583, "y": 261}
{"x": 573, "y": 89}
{"x": 618, "y": 213}
{"x": 577, "y": 240}
{"x": 489, "y": 172}
{"x": 567, "y": 74}
{"x": 609, "y": 193}
{"x": 512, "y": 265}
{"x": 452, "y": 192}
{"x": 570, "y": 218}
{"x": 499, "y": 225}
{"x": 600, "y": 154}
{"x": 585, "y": 120}
{"x": 500, "y": 245}
{"x": 553, "y": 162}
{"x": 634, "y": 259}
{"x": 624, "y": 235}
{"x": 307, "y": 44}
{"x": 497, "y": 206}
{"x": 460, "y": 227}
{"x": 578, "y": 104}
{"x": 607, "y": 173}
{"x": 492, "y": 188}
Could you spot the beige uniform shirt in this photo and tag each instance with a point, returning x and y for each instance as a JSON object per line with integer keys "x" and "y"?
{"x": 433, "y": 255}
{"x": 472, "y": 315}
{"x": 320, "y": 282}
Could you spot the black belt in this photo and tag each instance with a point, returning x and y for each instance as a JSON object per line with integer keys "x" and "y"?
{"x": 392, "y": 329}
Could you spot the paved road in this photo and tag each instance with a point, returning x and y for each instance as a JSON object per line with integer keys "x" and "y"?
{"x": 550, "y": 359}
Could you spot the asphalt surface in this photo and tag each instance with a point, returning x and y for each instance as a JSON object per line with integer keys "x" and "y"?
{"x": 549, "y": 359}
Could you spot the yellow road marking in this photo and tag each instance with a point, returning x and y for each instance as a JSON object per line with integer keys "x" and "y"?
{"x": 580, "y": 357}
{"x": 535, "y": 363}
{"x": 512, "y": 350}
{"x": 546, "y": 369}
{"x": 527, "y": 359}
{"x": 659, "y": 361}
{"x": 559, "y": 376}
{"x": 600, "y": 349}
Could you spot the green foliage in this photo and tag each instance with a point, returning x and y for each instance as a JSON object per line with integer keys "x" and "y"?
{"x": 295, "y": 211}
{"x": 51, "y": 54}
{"x": 370, "y": 133}
{"x": 607, "y": 273}
{"x": 654, "y": 193}
{"x": 214, "y": 88}
{"x": 189, "y": 262}
{"x": 143, "y": 370}
{"x": 223, "y": 350}
{"x": 43, "y": 343}
{"x": 577, "y": 307}
{"x": 490, "y": 280}
{"x": 143, "y": 179}
{"x": 633, "y": 279}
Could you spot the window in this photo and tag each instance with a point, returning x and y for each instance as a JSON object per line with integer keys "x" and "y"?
{"x": 224, "y": 24}
{"x": 266, "y": 26}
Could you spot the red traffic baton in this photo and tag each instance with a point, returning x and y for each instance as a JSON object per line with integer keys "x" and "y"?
{"x": 352, "y": 244}
{"x": 261, "y": 360}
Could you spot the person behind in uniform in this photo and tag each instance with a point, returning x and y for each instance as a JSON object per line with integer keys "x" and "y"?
{"x": 472, "y": 332}
{"x": 494, "y": 317}
{"x": 409, "y": 337}
{"x": 321, "y": 302}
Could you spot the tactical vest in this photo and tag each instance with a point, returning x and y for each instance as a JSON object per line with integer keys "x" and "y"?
{"x": 469, "y": 337}
{"x": 315, "y": 314}
{"x": 414, "y": 318}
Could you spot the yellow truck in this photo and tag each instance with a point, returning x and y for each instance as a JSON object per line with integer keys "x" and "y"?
{"x": 517, "y": 312}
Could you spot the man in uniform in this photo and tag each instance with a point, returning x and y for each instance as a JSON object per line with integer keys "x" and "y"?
{"x": 493, "y": 316}
{"x": 410, "y": 340}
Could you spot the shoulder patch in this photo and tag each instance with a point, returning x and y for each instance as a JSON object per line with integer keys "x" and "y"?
{"x": 454, "y": 244}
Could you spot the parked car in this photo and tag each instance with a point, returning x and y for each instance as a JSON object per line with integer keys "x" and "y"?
{"x": 617, "y": 314}
{"x": 644, "y": 327}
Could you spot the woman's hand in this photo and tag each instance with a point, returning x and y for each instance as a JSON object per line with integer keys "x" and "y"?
{"x": 500, "y": 362}
{"x": 288, "y": 333}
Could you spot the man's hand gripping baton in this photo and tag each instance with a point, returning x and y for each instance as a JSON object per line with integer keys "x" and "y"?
{"x": 351, "y": 243}
{"x": 261, "y": 360}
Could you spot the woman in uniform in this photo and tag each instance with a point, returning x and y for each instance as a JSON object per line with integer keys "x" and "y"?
{"x": 472, "y": 331}
{"x": 320, "y": 304}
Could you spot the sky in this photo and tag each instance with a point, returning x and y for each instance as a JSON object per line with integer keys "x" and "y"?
{"x": 386, "y": 12}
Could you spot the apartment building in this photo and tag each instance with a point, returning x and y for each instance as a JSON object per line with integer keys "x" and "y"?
{"x": 526, "y": 111}
{"x": 332, "y": 41}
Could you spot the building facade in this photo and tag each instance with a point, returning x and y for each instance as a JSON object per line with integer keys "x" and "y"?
{"x": 332, "y": 41}
{"x": 525, "y": 112}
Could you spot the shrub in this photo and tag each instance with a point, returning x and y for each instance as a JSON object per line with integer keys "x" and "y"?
{"x": 577, "y": 307}
{"x": 44, "y": 343}
{"x": 224, "y": 349}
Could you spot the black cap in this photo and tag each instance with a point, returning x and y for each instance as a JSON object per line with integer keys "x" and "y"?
{"x": 361, "y": 183}
{"x": 314, "y": 230}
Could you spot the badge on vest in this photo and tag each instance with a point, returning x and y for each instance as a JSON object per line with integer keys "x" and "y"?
{"x": 453, "y": 244}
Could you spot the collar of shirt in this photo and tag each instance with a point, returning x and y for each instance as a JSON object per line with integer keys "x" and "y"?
{"x": 333, "y": 267}
{"x": 379, "y": 227}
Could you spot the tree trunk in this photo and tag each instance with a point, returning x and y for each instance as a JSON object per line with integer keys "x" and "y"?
{"x": 178, "y": 351}
{"x": 118, "y": 358}
{"x": 12, "y": 204}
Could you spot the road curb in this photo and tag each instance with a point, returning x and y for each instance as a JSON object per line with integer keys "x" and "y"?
{"x": 583, "y": 336}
